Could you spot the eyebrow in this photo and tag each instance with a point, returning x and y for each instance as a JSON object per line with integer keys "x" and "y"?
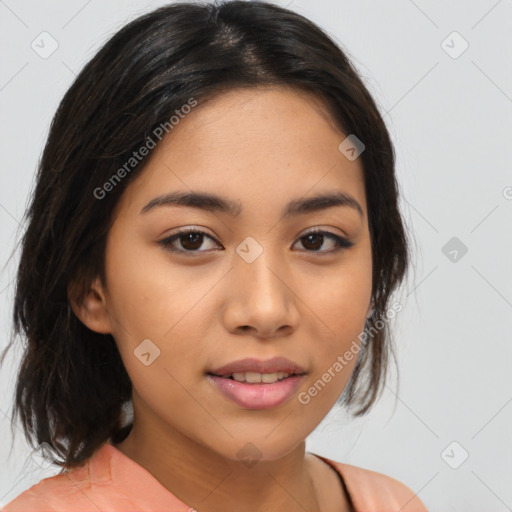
{"x": 214, "y": 203}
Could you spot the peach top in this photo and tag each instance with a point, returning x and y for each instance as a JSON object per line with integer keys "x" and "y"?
{"x": 112, "y": 482}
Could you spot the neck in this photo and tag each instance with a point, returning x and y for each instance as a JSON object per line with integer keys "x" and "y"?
{"x": 209, "y": 482}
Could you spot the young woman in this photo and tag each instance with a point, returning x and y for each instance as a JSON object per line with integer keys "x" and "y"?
{"x": 207, "y": 269}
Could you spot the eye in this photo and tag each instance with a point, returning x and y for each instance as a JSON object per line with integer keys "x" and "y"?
{"x": 191, "y": 240}
{"x": 315, "y": 239}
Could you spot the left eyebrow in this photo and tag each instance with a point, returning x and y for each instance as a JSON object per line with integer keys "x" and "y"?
{"x": 214, "y": 203}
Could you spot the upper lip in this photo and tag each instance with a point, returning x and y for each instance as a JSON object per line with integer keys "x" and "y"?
{"x": 274, "y": 365}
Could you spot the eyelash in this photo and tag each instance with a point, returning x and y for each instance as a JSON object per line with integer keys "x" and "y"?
{"x": 342, "y": 243}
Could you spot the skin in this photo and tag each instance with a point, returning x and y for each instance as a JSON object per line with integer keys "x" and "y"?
{"x": 260, "y": 148}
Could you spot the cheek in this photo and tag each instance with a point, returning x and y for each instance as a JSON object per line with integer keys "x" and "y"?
{"x": 342, "y": 296}
{"x": 143, "y": 288}
{"x": 152, "y": 299}
{"x": 341, "y": 304}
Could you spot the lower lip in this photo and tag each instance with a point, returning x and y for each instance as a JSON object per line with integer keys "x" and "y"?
{"x": 257, "y": 396}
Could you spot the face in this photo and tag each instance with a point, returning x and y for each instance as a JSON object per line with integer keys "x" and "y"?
{"x": 248, "y": 282}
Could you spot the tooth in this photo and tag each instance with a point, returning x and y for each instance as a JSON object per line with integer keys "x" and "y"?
{"x": 252, "y": 377}
{"x": 256, "y": 378}
{"x": 269, "y": 377}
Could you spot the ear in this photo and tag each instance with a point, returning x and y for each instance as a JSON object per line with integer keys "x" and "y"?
{"x": 92, "y": 308}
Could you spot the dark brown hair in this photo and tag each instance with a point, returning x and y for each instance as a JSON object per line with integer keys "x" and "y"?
{"x": 72, "y": 388}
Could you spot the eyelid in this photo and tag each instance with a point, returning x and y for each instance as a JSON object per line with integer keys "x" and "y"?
{"x": 327, "y": 230}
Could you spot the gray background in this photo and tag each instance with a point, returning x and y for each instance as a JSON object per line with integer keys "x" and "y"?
{"x": 449, "y": 114}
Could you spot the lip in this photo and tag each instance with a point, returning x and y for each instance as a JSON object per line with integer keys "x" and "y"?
{"x": 257, "y": 396}
{"x": 273, "y": 365}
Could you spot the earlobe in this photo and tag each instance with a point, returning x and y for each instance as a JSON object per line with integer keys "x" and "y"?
{"x": 91, "y": 309}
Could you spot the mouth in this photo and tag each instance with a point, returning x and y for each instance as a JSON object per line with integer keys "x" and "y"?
{"x": 255, "y": 384}
{"x": 256, "y": 377}
{"x": 254, "y": 370}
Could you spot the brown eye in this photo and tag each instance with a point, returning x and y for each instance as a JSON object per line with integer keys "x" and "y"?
{"x": 190, "y": 240}
{"x": 314, "y": 240}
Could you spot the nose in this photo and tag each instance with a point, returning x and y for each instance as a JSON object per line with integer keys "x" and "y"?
{"x": 261, "y": 297}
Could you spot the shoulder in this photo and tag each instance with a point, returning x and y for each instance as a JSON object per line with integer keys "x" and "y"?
{"x": 89, "y": 486}
{"x": 30, "y": 500}
{"x": 371, "y": 490}
{"x": 53, "y": 494}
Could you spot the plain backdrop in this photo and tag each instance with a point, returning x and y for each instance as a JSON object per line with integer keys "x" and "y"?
{"x": 441, "y": 75}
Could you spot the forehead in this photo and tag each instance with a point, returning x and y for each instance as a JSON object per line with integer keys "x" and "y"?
{"x": 253, "y": 144}
{"x": 256, "y": 111}
{"x": 282, "y": 99}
